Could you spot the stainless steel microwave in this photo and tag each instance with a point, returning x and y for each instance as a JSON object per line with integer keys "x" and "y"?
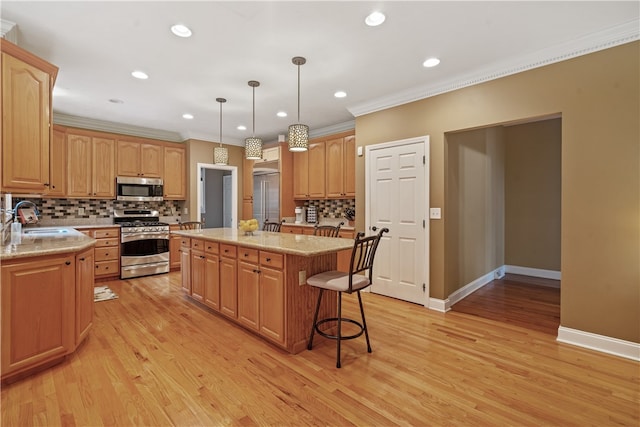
{"x": 139, "y": 189}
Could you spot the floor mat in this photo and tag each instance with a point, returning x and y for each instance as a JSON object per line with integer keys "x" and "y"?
{"x": 103, "y": 293}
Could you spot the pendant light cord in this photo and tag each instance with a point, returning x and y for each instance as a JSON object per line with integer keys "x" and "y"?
{"x": 298, "y": 93}
{"x": 253, "y": 130}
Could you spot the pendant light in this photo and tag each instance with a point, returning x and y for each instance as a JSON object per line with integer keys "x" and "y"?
{"x": 253, "y": 145}
{"x": 220, "y": 154}
{"x": 298, "y": 133}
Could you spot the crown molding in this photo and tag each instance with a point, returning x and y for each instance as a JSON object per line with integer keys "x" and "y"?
{"x": 105, "y": 126}
{"x": 9, "y": 31}
{"x": 611, "y": 37}
{"x": 332, "y": 129}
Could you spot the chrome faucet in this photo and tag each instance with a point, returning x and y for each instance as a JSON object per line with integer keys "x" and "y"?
{"x": 25, "y": 202}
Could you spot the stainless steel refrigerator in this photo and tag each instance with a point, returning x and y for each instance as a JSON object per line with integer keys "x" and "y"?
{"x": 266, "y": 196}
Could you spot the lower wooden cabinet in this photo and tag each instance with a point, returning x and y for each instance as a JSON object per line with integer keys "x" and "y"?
{"x": 228, "y": 281}
{"x": 47, "y": 309}
{"x": 185, "y": 261}
{"x": 174, "y": 247}
{"x": 212, "y": 276}
{"x": 107, "y": 252}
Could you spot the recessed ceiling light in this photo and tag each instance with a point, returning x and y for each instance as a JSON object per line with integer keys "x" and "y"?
{"x": 281, "y": 114}
{"x": 374, "y": 19}
{"x": 187, "y": 116}
{"x": 140, "y": 75}
{"x": 340, "y": 94}
{"x": 116, "y": 101}
{"x": 431, "y": 62}
{"x": 181, "y": 30}
{"x": 242, "y": 127}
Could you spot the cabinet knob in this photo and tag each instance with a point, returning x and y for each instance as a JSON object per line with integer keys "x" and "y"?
{"x": 82, "y": 259}
{"x": 67, "y": 263}
{"x": 268, "y": 259}
{"x": 246, "y": 254}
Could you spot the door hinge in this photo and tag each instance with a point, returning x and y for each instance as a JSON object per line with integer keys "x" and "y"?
{"x": 424, "y": 287}
{"x": 424, "y": 223}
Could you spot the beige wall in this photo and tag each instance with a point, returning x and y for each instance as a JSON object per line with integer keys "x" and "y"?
{"x": 598, "y": 97}
{"x": 202, "y": 152}
{"x": 532, "y": 194}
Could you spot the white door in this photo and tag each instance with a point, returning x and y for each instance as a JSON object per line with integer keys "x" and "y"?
{"x": 397, "y": 193}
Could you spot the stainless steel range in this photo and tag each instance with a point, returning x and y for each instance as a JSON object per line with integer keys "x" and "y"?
{"x": 144, "y": 242}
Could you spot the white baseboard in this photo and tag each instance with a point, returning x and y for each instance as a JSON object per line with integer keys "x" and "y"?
{"x": 441, "y": 305}
{"x": 602, "y": 343}
{"x": 533, "y": 272}
{"x": 445, "y": 304}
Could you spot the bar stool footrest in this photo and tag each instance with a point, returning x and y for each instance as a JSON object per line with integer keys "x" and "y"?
{"x": 335, "y": 337}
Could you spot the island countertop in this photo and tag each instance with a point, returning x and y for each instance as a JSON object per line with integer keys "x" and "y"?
{"x": 293, "y": 244}
{"x": 46, "y": 241}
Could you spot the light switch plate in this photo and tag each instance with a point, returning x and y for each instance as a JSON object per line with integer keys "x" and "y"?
{"x": 434, "y": 213}
{"x": 360, "y": 152}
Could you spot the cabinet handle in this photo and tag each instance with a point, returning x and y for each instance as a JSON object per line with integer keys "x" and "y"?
{"x": 82, "y": 259}
{"x": 67, "y": 263}
{"x": 246, "y": 254}
{"x": 46, "y": 184}
{"x": 226, "y": 251}
{"x": 268, "y": 259}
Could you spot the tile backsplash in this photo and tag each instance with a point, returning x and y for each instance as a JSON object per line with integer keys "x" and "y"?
{"x": 331, "y": 208}
{"x": 85, "y": 209}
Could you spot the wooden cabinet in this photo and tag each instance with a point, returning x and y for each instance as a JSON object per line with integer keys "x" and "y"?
{"x": 27, "y": 82}
{"x": 198, "y": 265}
{"x": 296, "y": 229}
{"x": 174, "y": 247}
{"x": 185, "y": 261}
{"x": 84, "y": 294}
{"x": 340, "y": 167}
{"x": 38, "y": 312}
{"x": 212, "y": 275}
{"x": 247, "y": 189}
{"x": 58, "y": 164}
{"x": 261, "y": 292}
{"x": 175, "y": 176}
{"x": 309, "y": 172}
{"x": 228, "y": 281}
{"x": 107, "y": 252}
{"x": 139, "y": 159}
{"x": 344, "y": 257}
{"x": 91, "y": 166}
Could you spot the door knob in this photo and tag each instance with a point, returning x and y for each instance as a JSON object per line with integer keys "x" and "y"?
{"x": 374, "y": 228}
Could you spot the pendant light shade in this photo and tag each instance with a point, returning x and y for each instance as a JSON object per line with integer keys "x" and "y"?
{"x": 253, "y": 145}
{"x": 220, "y": 154}
{"x": 298, "y": 133}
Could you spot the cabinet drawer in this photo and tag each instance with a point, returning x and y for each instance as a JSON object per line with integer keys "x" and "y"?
{"x": 86, "y": 232}
{"x": 211, "y": 247}
{"x": 106, "y": 254}
{"x": 271, "y": 259}
{"x": 185, "y": 242}
{"x": 104, "y": 234}
{"x": 106, "y": 268}
{"x": 290, "y": 229}
{"x": 228, "y": 251}
{"x": 346, "y": 234}
{"x": 112, "y": 243}
{"x": 249, "y": 255}
{"x": 197, "y": 244}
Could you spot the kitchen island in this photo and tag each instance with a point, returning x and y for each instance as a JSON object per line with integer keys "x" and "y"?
{"x": 259, "y": 281}
{"x": 47, "y": 298}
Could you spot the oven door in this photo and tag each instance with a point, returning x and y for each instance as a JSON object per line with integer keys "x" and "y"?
{"x": 144, "y": 248}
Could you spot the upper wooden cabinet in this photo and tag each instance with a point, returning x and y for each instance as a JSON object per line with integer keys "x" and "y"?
{"x": 175, "y": 177}
{"x": 309, "y": 172}
{"x": 139, "y": 159}
{"x": 91, "y": 166}
{"x": 58, "y": 164}
{"x": 340, "y": 170}
{"x": 27, "y": 82}
{"x": 247, "y": 188}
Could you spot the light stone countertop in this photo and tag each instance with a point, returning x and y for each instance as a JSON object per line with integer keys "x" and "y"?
{"x": 293, "y": 244}
{"x": 45, "y": 243}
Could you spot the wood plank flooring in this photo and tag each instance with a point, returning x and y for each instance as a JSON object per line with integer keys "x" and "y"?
{"x": 528, "y": 302}
{"x": 155, "y": 358}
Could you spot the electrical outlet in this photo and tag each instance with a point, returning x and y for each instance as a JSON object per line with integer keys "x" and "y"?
{"x": 302, "y": 277}
{"x": 499, "y": 273}
{"x": 435, "y": 213}
{"x": 80, "y": 211}
{"x": 186, "y": 211}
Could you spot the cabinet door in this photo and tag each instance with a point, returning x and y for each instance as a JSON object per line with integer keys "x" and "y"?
{"x": 104, "y": 168}
{"x": 151, "y": 160}
{"x": 198, "y": 265}
{"x": 247, "y": 179}
{"x": 301, "y": 175}
{"x": 26, "y": 120}
{"x": 334, "y": 169}
{"x": 185, "y": 271}
{"x": 228, "y": 287}
{"x": 316, "y": 170}
{"x": 272, "y": 304}
{"x": 85, "y": 262}
{"x": 248, "y": 294}
{"x": 212, "y": 281}
{"x": 247, "y": 209}
{"x": 349, "y": 166}
{"x": 37, "y": 312}
{"x": 174, "y": 252}
{"x": 79, "y": 166}
{"x": 58, "y": 164}
{"x": 128, "y": 158}
{"x": 175, "y": 178}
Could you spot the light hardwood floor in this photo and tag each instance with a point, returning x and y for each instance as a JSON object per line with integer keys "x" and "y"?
{"x": 155, "y": 358}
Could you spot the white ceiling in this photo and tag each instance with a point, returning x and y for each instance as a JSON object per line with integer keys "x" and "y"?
{"x": 96, "y": 45}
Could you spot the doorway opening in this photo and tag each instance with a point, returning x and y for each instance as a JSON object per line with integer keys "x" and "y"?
{"x": 217, "y": 195}
{"x": 503, "y": 204}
